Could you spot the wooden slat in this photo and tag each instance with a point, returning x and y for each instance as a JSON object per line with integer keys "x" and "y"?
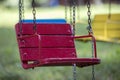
{"x": 29, "y": 41}
{"x": 57, "y": 41}
{"x": 45, "y": 29}
{"x": 29, "y": 54}
{"x": 48, "y": 41}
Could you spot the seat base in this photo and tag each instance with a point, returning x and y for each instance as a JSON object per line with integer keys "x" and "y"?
{"x": 80, "y": 62}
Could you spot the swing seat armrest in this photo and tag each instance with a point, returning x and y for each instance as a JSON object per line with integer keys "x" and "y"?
{"x": 86, "y": 36}
{"x": 93, "y": 42}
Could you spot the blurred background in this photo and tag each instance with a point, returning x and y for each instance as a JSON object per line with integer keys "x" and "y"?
{"x": 10, "y": 65}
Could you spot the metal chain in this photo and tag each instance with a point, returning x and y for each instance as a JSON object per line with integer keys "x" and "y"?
{"x": 74, "y": 16}
{"x": 20, "y": 17}
{"x": 71, "y": 13}
{"x": 73, "y": 23}
{"x": 93, "y": 72}
{"x": 90, "y": 32}
{"x": 34, "y": 15}
{"x": 89, "y": 18}
{"x": 23, "y": 11}
{"x": 74, "y": 72}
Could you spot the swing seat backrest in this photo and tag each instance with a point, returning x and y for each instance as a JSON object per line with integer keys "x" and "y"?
{"x": 51, "y": 41}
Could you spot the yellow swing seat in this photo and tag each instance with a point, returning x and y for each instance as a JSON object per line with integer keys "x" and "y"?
{"x": 107, "y": 29}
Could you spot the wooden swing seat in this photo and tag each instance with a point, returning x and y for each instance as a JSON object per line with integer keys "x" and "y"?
{"x": 50, "y": 45}
{"x": 107, "y": 29}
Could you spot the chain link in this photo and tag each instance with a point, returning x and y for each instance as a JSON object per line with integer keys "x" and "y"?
{"x": 90, "y": 32}
{"x": 73, "y": 23}
{"x": 93, "y": 73}
{"x": 20, "y": 17}
{"x": 74, "y": 15}
{"x": 34, "y": 15}
{"x": 23, "y": 11}
{"x": 20, "y": 11}
{"x": 74, "y": 72}
{"x": 71, "y": 13}
{"x": 89, "y": 18}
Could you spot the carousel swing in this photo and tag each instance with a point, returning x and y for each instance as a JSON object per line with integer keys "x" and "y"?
{"x": 44, "y": 44}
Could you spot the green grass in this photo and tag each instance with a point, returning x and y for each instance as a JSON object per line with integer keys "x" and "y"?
{"x": 10, "y": 66}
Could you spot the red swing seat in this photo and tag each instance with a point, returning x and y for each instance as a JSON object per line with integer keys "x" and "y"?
{"x": 51, "y": 45}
